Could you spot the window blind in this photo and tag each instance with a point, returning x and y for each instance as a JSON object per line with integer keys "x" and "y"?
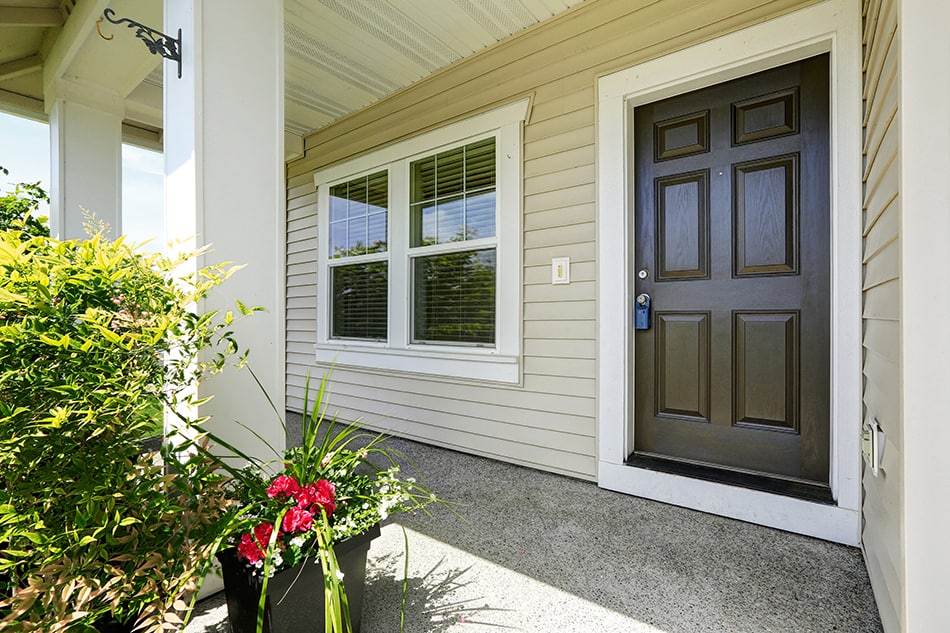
{"x": 360, "y": 301}
{"x": 452, "y": 195}
{"x": 358, "y": 226}
{"x": 454, "y": 298}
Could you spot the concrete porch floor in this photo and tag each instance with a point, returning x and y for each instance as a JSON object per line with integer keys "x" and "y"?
{"x": 538, "y": 552}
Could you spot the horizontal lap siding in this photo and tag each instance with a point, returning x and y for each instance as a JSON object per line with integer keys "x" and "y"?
{"x": 882, "y": 494}
{"x": 301, "y": 282}
{"x": 548, "y": 420}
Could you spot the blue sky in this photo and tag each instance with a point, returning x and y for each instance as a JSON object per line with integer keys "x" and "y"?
{"x": 24, "y": 151}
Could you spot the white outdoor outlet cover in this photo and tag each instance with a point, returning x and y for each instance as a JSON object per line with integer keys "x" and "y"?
{"x": 560, "y": 270}
{"x": 872, "y": 445}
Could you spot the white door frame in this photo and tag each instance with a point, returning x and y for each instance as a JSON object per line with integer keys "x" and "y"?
{"x": 834, "y": 27}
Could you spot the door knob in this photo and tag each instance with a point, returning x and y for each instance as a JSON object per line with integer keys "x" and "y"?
{"x": 641, "y": 312}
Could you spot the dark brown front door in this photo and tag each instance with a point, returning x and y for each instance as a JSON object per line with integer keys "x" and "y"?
{"x": 732, "y": 236}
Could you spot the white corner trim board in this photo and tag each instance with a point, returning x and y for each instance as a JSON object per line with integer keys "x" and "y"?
{"x": 829, "y": 27}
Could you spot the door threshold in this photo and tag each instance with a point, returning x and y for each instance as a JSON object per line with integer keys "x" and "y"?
{"x": 817, "y": 493}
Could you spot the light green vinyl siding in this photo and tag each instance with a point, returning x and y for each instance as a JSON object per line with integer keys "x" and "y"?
{"x": 882, "y": 534}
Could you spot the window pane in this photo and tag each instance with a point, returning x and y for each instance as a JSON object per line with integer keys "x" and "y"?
{"x": 459, "y": 179}
{"x": 338, "y": 239}
{"x": 449, "y": 167}
{"x": 422, "y": 176}
{"x": 338, "y": 202}
{"x": 364, "y": 202}
{"x": 454, "y": 298}
{"x": 376, "y": 233}
{"x": 449, "y": 221}
{"x": 480, "y": 216}
{"x": 480, "y": 165}
{"x": 356, "y": 193}
{"x": 359, "y": 301}
{"x": 423, "y": 227}
{"x": 356, "y": 240}
{"x": 378, "y": 192}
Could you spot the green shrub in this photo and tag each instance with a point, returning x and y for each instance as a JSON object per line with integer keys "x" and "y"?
{"x": 93, "y": 334}
{"x": 18, "y": 208}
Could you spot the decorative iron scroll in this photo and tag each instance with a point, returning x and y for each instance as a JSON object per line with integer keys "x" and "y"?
{"x": 157, "y": 42}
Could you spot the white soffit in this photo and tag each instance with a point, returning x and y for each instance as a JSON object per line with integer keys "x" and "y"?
{"x": 342, "y": 55}
{"x": 24, "y": 24}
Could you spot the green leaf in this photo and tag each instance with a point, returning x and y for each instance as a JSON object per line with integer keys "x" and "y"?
{"x": 35, "y": 538}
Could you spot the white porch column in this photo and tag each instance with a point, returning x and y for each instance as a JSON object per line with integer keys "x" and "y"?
{"x": 85, "y": 158}
{"x": 224, "y": 186}
{"x": 925, "y": 303}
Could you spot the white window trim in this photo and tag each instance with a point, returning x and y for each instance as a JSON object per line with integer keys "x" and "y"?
{"x": 500, "y": 363}
{"x": 834, "y": 27}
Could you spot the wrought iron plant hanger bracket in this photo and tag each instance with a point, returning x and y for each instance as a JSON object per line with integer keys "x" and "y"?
{"x": 157, "y": 42}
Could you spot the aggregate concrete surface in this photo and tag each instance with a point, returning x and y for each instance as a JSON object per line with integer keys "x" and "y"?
{"x": 524, "y": 550}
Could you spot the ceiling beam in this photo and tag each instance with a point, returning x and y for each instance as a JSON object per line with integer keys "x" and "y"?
{"x": 141, "y": 135}
{"x": 64, "y": 49}
{"x": 22, "y": 66}
{"x": 22, "y": 105}
{"x": 30, "y": 16}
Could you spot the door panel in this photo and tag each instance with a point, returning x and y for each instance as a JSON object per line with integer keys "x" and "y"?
{"x": 731, "y": 220}
{"x": 682, "y": 219}
{"x": 765, "y": 239}
{"x": 766, "y": 370}
{"x": 682, "y": 365}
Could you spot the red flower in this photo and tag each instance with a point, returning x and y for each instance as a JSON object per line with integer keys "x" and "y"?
{"x": 321, "y": 494}
{"x": 297, "y": 520}
{"x": 283, "y": 486}
{"x": 253, "y": 546}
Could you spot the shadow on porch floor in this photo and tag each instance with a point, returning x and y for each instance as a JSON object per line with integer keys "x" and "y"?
{"x": 543, "y": 553}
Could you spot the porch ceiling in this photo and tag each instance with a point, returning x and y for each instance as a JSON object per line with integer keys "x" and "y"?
{"x": 341, "y": 55}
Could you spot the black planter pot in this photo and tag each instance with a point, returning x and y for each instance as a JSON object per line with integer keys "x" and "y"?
{"x": 301, "y": 609}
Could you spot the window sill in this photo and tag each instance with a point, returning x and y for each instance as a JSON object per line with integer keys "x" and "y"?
{"x": 476, "y": 364}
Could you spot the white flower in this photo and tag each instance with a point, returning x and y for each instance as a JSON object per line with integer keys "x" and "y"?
{"x": 339, "y": 574}
{"x": 298, "y": 541}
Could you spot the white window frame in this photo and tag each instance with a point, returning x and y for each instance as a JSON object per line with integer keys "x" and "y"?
{"x": 501, "y": 362}
{"x": 366, "y": 258}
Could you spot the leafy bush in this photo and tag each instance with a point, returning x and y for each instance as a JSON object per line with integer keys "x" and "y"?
{"x": 93, "y": 334}
{"x": 18, "y": 209}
